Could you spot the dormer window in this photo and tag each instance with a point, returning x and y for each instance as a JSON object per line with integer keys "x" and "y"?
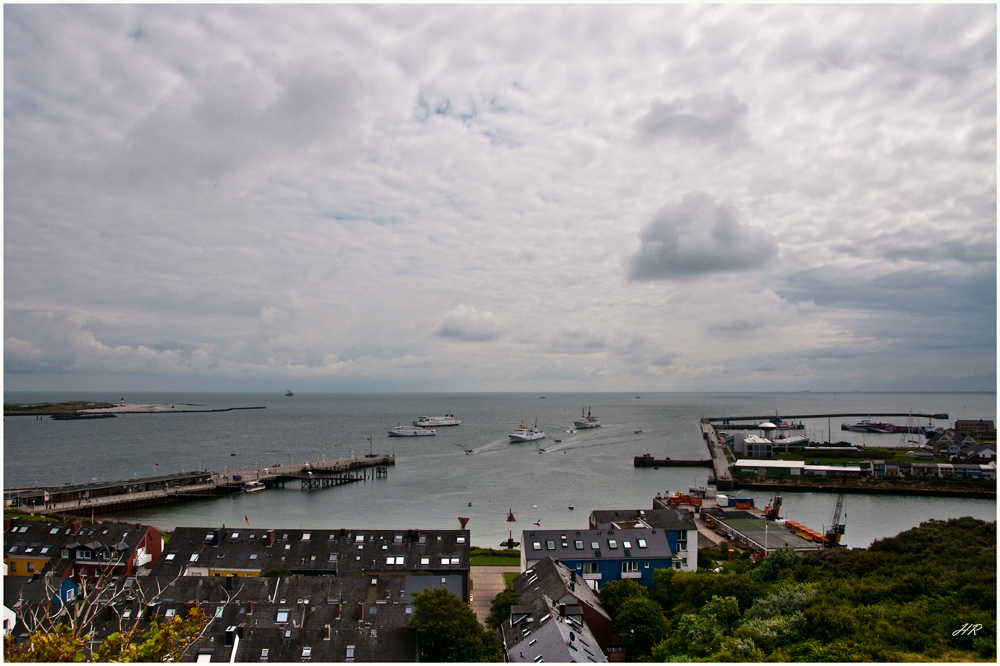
{"x": 306, "y": 536}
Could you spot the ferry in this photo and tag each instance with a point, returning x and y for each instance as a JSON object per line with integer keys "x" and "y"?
{"x": 411, "y": 431}
{"x": 526, "y": 434}
{"x": 437, "y": 421}
{"x": 867, "y": 425}
{"x": 586, "y": 421}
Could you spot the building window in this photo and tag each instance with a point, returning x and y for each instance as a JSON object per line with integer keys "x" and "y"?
{"x": 550, "y": 545}
{"x": 537, "y": 545}
{"x": 612, "y": 544}
{"x": 360, "y": 538}
{"x": 13, "y": 566}
{"x": 630, "y": 566}
{"x": 31, "y": 566}
{"x": 306, "y": 536}
{"x": 460, "y": 539}
{"x": 578, "y": 544}
{"x": 591, "y": 568}
{"x": 194, "y": 557}
{"x": 626, "y": 544}
{"x": 425, "y": 560}
{"x": 282, "y": 616}
{"x": 350, "y": 653}
{"x": 641, "y": 542}
{"x": 595, "y": 545}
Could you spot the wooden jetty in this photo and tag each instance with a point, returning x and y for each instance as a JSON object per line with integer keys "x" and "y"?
{"x": 110, "y": 497}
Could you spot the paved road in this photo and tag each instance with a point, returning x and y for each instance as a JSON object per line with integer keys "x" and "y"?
{"x": 487, "y": 583}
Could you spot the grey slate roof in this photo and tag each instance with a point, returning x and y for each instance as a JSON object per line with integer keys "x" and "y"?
{"x": 595, "y": 544}
{"x": 550, "y": 595}
{"x": 666, "y": 519}
{"x": 315, "y": 552}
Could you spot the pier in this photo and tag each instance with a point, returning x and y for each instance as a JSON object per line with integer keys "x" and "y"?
{"x": 110, "y": 497}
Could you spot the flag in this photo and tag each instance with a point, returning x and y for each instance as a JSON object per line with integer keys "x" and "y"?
{"x": 538, "y": 523}
{"x": 246, "y": 518}
{"x": 45, "y": 495}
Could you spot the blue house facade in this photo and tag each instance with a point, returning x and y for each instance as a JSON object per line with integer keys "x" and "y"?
{"x": 600, "y": 556}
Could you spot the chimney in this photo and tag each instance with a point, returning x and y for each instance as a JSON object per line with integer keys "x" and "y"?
{"x": 269, "y": 540}
{"x": 326, "y": 632}
{"x": 336, "y": 611}
{"x": 250, "y": 607}
{"x": 361, "y": 611}
{"x": 229, "y": 582}
{"x": 76, "y": 527}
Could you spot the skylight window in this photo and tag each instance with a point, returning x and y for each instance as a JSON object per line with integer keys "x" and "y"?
{"x": 579, "y": 544}
{"x": 360, "y": 538}
{"x": 612, "y": 544}
{"x": 425, "y": 560}
{"x": 537, "y": 545}
{"x": 170, "y": 557}
{"x": 626, "y": 544}
{"x": 641, "y": 542}
{"x": 282, "y": 615}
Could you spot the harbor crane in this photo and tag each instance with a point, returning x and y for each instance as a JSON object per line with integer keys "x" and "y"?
{"x": 836, "y": 528}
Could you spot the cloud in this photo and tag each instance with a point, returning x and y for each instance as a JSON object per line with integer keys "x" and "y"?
{"x": 466, "y": 323}
{"x": 695, "y": 236}
{"x": 718, "y": 120}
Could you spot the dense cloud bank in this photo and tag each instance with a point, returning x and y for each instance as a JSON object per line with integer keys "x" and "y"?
{"x": 341, "y": 197}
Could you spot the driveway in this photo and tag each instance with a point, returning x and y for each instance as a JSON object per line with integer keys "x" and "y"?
{"x": 487, "y": 583}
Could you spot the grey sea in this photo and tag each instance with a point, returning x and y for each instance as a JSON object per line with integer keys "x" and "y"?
{"x": 434, "y": 480}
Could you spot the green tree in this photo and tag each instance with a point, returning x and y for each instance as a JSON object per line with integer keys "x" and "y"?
{"x": 500, "y": 608}
{"x": 448, "y": 630}
{"x": 167, "y": 642}
{"x": 615, "y": 593}
{"x": 641, "y": 625}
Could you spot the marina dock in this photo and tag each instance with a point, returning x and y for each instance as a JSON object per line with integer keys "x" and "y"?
{"x": 109, "y": 497}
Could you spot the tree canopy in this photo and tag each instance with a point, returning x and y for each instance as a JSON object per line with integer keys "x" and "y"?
{"x": 448, "y": 630}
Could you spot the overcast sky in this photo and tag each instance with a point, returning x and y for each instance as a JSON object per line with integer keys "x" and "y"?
{"x": 500, "y": 198}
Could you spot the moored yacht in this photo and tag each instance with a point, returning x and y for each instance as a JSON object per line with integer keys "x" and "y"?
{"x": 410, "y": 431}
{"x": 437, "y": 421}
{"x": 526, "y": 434}
{"x": 586, "y": 420}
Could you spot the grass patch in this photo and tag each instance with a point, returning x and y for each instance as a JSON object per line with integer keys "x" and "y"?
{"x": 508, "y": 578}
{"x": 14, "y": 408}
{"x": 491, "y": 557}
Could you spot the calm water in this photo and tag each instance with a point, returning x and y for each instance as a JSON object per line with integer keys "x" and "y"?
{"x": 434, "y": 480}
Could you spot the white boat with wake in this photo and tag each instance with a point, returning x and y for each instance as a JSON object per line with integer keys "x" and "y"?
{"x": 253, "y": 486}
{"x": 526, "y": 434}
{"x": 411, "y": 431}
{"x": 437, "y": 421}
{"x": 586, "y": 420}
